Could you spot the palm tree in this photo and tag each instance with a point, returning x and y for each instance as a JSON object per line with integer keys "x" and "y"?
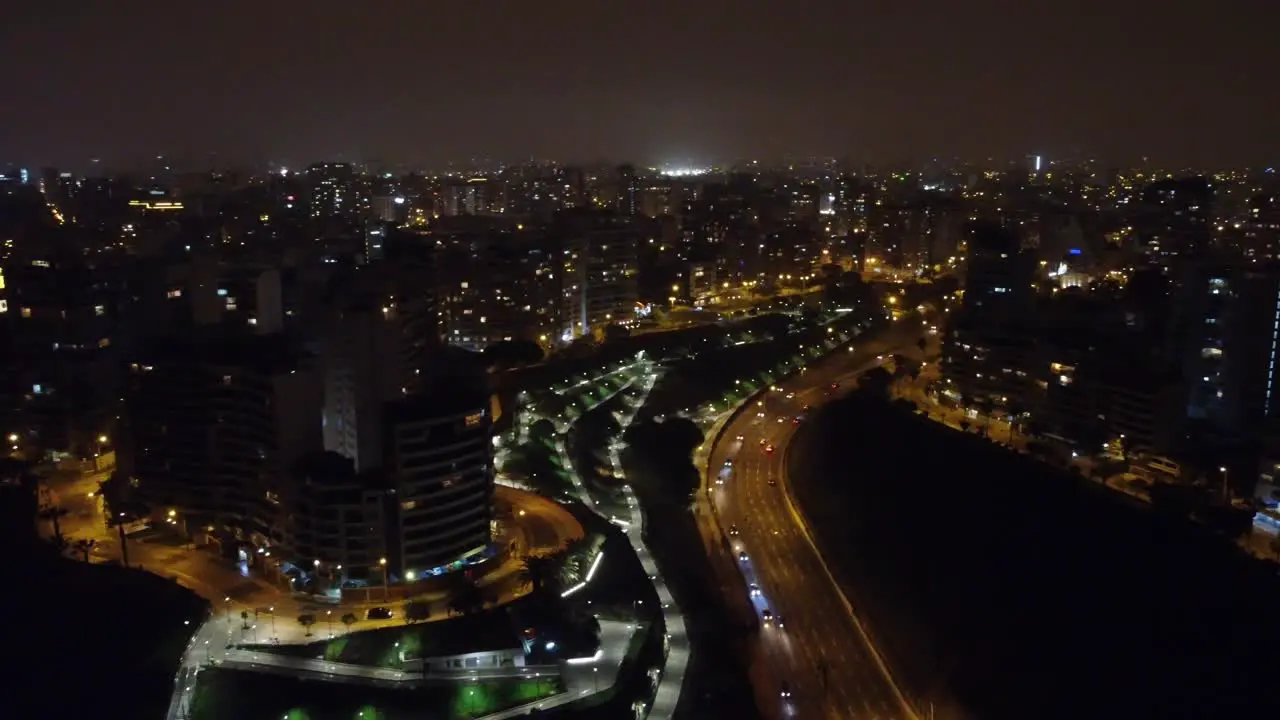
{"x": 84, "y": 546}
{"x": 538, "y": 571}
{"x": 349, "y": 619}
{"x": 53, "y": 513}
{"x": 306, "y": 620}
{"x": 244, "y": 619}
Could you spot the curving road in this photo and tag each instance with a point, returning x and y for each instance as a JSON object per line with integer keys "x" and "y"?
{"x": 821, "y": 653}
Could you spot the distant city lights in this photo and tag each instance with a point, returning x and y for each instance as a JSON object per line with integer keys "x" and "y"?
{"x": 685, "y": 171}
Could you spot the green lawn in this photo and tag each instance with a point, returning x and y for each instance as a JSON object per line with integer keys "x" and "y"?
{"x": 239, "y": 695}
{"x": 381, "y": 647}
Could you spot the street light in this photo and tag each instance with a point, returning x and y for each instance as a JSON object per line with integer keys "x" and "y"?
{"x": 272, "y": 610}
{"x": 329, "y": 617}
{"x": 386, "y": 589}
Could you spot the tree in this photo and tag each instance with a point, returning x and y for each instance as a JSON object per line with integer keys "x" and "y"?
{"x": 417, "y": 611}
{"x": 466, "y": 597}
{"x": 306, "y": 620}
{"x": 551, "y": 405}
{"x": 53, "y": 513}
{"x": 244, "y": 619}
{"x": 84, "y": 546}
{"x": 614, "y": 332}
{"x": 900, "y": 364}
{"x": 511, "y": 353}
{"x": 876, "y": 382}
{"x": 539, "y": 571}
{"x": 984, "y": 408}
{"x": 1017, "y": 419}
{"x": 349, "y": 619}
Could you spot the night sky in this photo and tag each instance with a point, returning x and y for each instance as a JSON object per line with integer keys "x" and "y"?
{"x": 424, "y": 82}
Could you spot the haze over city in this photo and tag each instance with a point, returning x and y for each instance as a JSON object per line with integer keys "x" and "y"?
{"x": 416, "y": 85}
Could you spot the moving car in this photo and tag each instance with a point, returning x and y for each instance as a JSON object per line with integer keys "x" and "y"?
{"x": 767, "y": 616}
{"x": 773, "y": 482}
{"x": 733, "y": 530}
{"x": 786, "y": 691}
{"x": 796, "y": 420}
{"x": 741, "y": 438}
{"x": 768, "y": 449}
{"x": 379, "y": 613}
{"x": 763, "y": 442}
{"x": 742, "y": 556}
{"x": 835, "y": 385}
{"x": 755, "y": 590}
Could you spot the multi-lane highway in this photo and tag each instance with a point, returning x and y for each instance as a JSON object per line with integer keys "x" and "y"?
{"x": 817, "y": 654}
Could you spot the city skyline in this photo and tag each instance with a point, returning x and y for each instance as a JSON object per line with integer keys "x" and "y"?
{"x": 392, "y": 83}
{"x": 851, "y": 361}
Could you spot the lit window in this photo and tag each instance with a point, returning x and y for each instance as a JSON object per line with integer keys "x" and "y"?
{"x": 26, "y": 312}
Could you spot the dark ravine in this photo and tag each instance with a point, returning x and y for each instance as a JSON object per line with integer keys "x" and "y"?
{"x": 1023, "y": 592}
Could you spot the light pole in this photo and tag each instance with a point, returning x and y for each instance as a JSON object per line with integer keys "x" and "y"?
{"x": 329, "y": 616}
{"x": 227, "y": 600}
{"x": 272, "y": 610}
{"x": 386, "y": 587}
{"x": 1226, "y": 493}
{"x": 595, "y": 674}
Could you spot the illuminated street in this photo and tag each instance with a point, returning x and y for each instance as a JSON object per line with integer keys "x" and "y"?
{"x": 543, "y": 525}
{"x": 821, "y": 652}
